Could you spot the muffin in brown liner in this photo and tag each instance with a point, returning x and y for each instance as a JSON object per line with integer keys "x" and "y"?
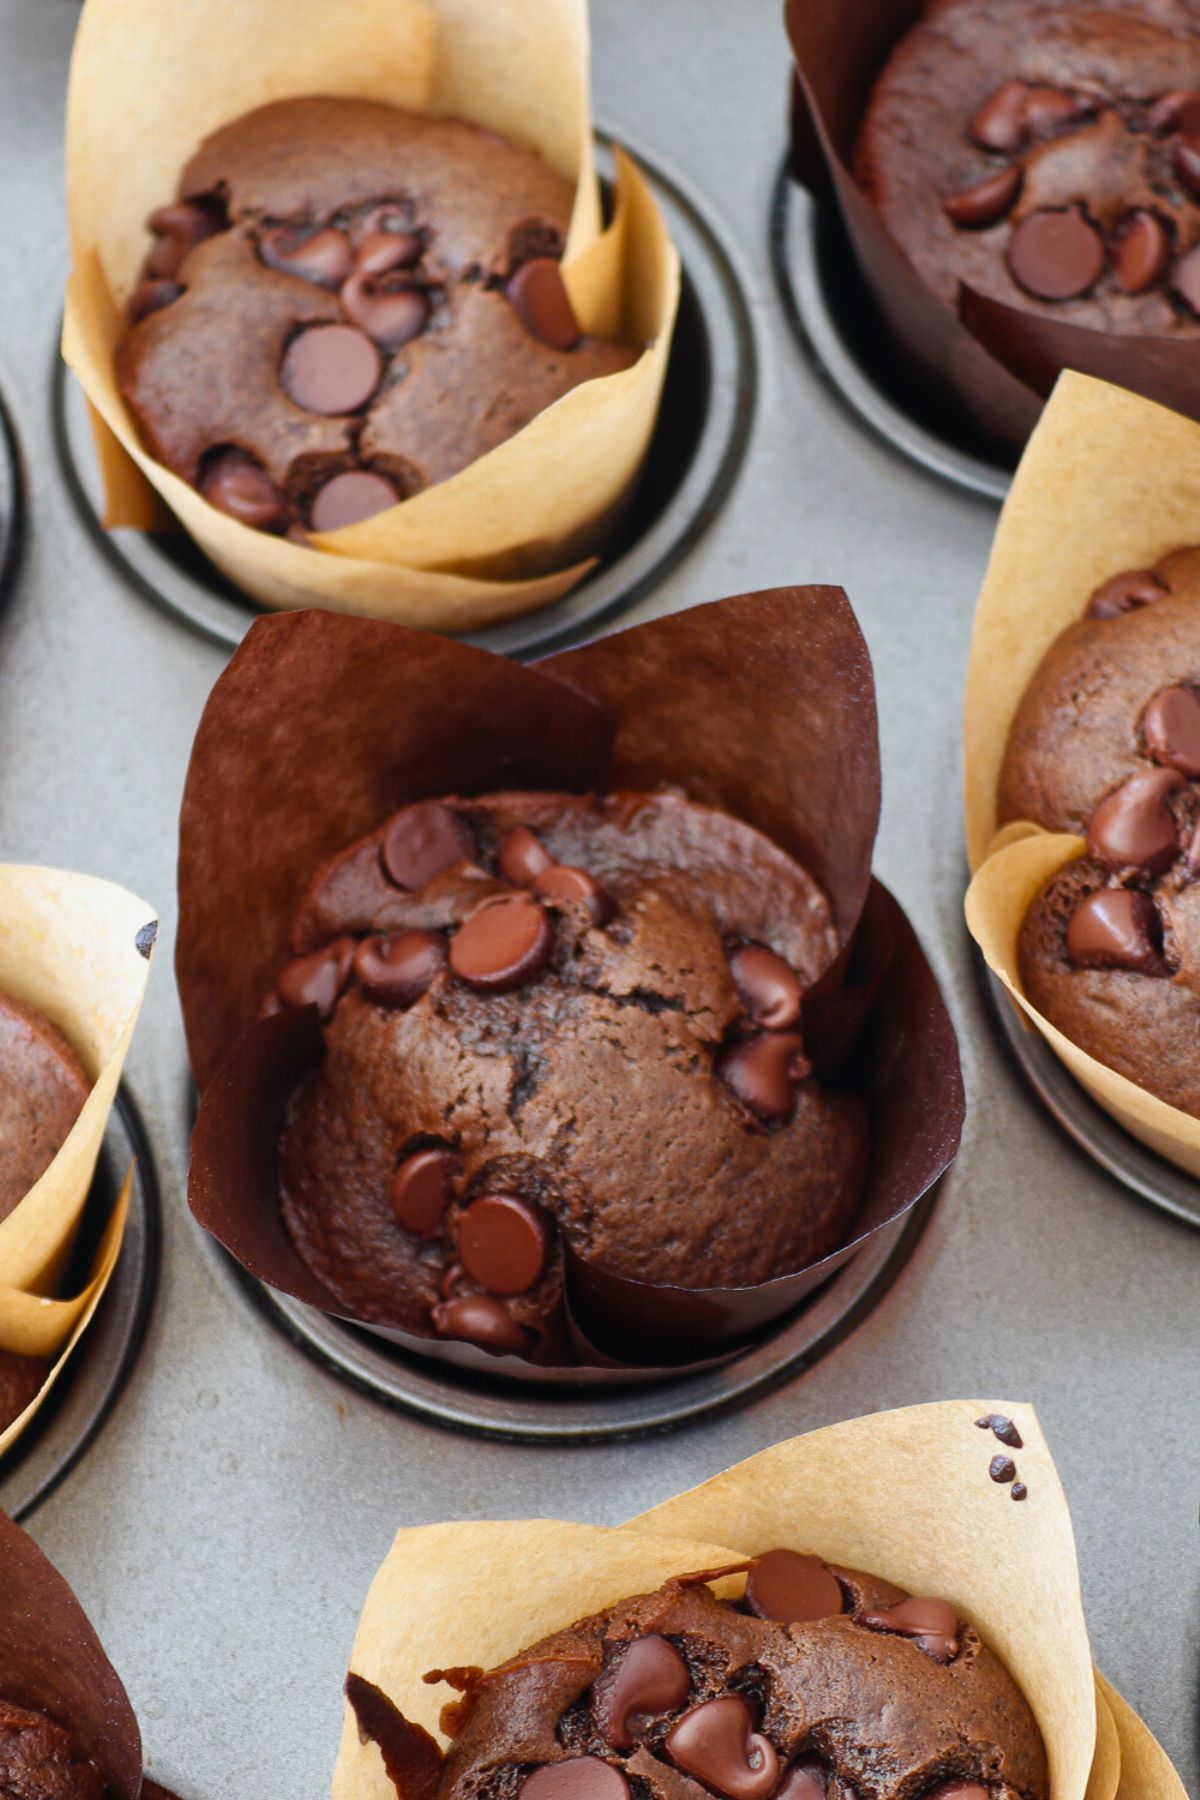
{"x": 989, "y": 364}
{"x": 680, "y": 702}
{"x": 52, "y": 1663}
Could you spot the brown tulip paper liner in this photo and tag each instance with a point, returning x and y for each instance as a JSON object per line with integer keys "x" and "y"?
{"x": 520, "y": 526}
{"x": 994, "y": 360}
{"x": 51, "y": 1661}
{"x": 904, "y": 1494}
{"x": 79, "y": 949}
{"x": 676, "y": 702}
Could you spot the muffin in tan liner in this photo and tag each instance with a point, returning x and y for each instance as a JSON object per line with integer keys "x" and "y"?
{"x": 1079, "y": 511}
{"x": 522, "y": 525}
{"x": 633, "y": 712}
{"x": 52, "y": 1662}
{"x": 904, "y": 1494}
{"x": 990, "y": 364}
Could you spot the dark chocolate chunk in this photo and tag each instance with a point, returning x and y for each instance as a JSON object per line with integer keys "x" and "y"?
{"x": 1055, "y": 254}
{"x": 562, "y": 882}
{"x": 321, "y": 256}
{"x": 1116, "y": 928}
{"x": 1141, "y": 253}
{"x": 421, "y": 1190}
{"x": 1000, "y": 122}
{"x": 392, "y": 316}
{"x": 792, "y": 1589}
{"x": 1125, "y": 593}
{"x": 1134, "y": 828}
{"x": 504, "y": 1243}
{"x": 769, "y": 987}
{"x": 651, "y": 1678}
{"x": 478, "y": 1319}
{"x": 523, "y": 857}
{"x": 989, "y": 200}
{"x": 423, "y": 840}
{"x": 1002, "y": 1428}
{"x": 1171, "y": 729}
{"x": 319, "y": 978}
{"x": 331, "y": 369}
{"x": 1018, "y": 1491}
{"x": 578, "y": 1778}
{"x": 717, "y": 1743}
{"x": 931, "y": 1624}
{"x": 1002, "y": 1469}
{"x": 503, "y": 945}
{"x": 241, "y": 487}
{"x": 540, "y": 300}
{"x": 347, "y": 498}
{"x": 763, "y": 1071}
{"x": 396, "y": 971}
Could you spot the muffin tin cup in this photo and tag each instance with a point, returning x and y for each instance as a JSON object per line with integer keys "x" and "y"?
{"x": 694, "y": 456}
{"x": 838, "y": 326}
{"x": 90, "y": 1385}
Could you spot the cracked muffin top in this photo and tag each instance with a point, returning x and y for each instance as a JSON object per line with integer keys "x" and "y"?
{"x": 348, "y": 303}
{"x": 560, "y": 1024}
{"x": 819, "y": 1683}
{"x": 42, "y": 1091}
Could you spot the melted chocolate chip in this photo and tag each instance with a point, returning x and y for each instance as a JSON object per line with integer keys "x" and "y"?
{"x": 502, "y": 946}
{"x": 1116, "y": 928}
{"x": 540, "y": 300}
{"x": 1002, "y": 1469}
{"x": 979, "y": 206}
{"x": 1018, "y": 1491}
{"x": 931, "y": 1624}
{"x": 763, "y": 1072}
{"x": 652, "y": 1678}
{"x": 478, "y": 1319}
{"x": 1055, "y": 254}
{"x": 717, "y": 1743}
{"x": 1186, "y": 157}
{"x": 320, "y": 256}
{"x": 1141, "y": 253}
{"x": 564, "y": 882}
{"x": 1002, "y": 1428}
{"x": 1134, "y": 827}
{"x": 1048, "y": 109}
{"x": 523, "y": 857}
{"x": 379, "y": 252}
{"x": 1176, "y": 111}
{"x": 1185, "y": 279}
{"x": 959, "y": 1790}
{"x": 234, "y": 483}
{"x": 1000, "y": 122}
{"x": 504, "y": 1243}
{"x": 151, "y": 297}
{"x": 1171, "y": 729}
{"x": 421, "y": 1190}
{"x": 396, "y": 971}
{"x": 392, "y": 316}
{"x": 769, "y": 988}
{"x": 331, "y": 369}
{"x": 1125, "y": 592}
{"x": 792, "y": 1589}
{"x": 178, "y": 228}
{"x": 579, "y": 1778}
{"x": 350, "y": 497}
{"x": 424, "y": 840}
{"x": 319, "y": 978}
{"x": 804, "y": 1780}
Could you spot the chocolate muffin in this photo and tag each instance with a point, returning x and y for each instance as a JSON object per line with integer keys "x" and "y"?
{"x": 348, "y": 303}
{"x": 42, "y": 1091}
{"x": 560, "y": 1025}
{"x": 21, "y": 1380}
{"x": 39, "y": 1760}
{"x": 1047, "y": 154}
{"x": 820, "y": 1683}
{"x": 1106, "y": 744}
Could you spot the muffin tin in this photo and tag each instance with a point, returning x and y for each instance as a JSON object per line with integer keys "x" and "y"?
{"x": 223, "y": 1526}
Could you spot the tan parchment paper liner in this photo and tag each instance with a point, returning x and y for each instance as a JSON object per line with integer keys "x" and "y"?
{"x": 512, "y": 531}
{"x": 1108, "y": 481}
{"x": 905, "y": 1494}
{"x": 1147, "y": 1772}
{"x": 33, "y": 1326}
{"x": 78, "y": 948}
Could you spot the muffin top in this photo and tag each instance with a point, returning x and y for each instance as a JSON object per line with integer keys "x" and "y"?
{"x": 820, "y": 1683}
{"x": 1047, "y": 154}
{"x": 42, "y": 1091}
{"x": 39, "y": 1761}
{"x": 560, "y": 1022}
{"x": 348, "y": 303}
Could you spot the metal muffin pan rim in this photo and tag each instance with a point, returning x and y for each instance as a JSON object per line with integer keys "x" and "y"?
{"x": 11, "y": 496}
{"x": 733, "y": 354}
{"x": 433, "y": 1392}
{"x": 796, "y": 224}
{"x": 90, "y": 1387}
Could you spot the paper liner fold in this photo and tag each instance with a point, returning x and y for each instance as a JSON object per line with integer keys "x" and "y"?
{"x": 284, "y": 774}
{"x": 990, "y": 363}
{"x": 905, "y": 1495}
{"x": 1147, "y": 1772}
{"x": 515, "y": 529}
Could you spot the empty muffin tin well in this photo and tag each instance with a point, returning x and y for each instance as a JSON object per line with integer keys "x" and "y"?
{"x": 693, "y": 460}
{"x": 89, "y": 1386}
{"x": 840, "y": 329}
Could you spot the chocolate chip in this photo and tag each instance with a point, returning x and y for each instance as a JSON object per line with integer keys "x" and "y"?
{"x": 423, "y": 840}
{"x": 792, "y": 1589}
{"x": 1125, "y": 592}
{"x": 421, "y": 1190}
{"x": 931, "y": 1624}
{"x": 504, "y": 1243}
{"x": 1048, "y": 109}
{"x": 1003, "y": 1428}
{"x": 238, "y": 485}
{"x": 350, "y": 497}
{"x": 958, "y": 1790}
{"x": 1185, "y": 278}
{"x": 651, "y": 1678}
{"x": 578, "y": 1778}
{"x": 1171, "y": 729}
{"x": 987, "y": 201}
{"x": 523, "y": 857}
{"x": 717, "y": 1743}
{"x": 319, "y": 978}
{"x": 1018, "y": 1491}
{"x": 563, "y": 882}
{"x": 805, "y": 1780}
{"x": 178, "y": 229}
{"x": 763, "y": 1071}
{"x": 392, "y": 316}
{"x": 1116, "y": 928}
{"x": 331, "y": 369}
{"x": 478, "y": 1319}
{"x": 769, "y": 987}
{"x": 1134, "y": 827}
{"x": 1186, "y": 157}
{"x": 1000, "y": 122}
{"x": 1142, "y": 253}
{"x": 1055, "y": 254}
{"x": 1176, "y": 111}
{"x": 541, "y": 302}
{"x": 1002, "y": 1469}
{"x": 151, "y": 297}
{"x": 396, "y": 971}
{"x": 379, "y": 252}
{"x": 502, "y": 946}
{"x": 321, "y": 256}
